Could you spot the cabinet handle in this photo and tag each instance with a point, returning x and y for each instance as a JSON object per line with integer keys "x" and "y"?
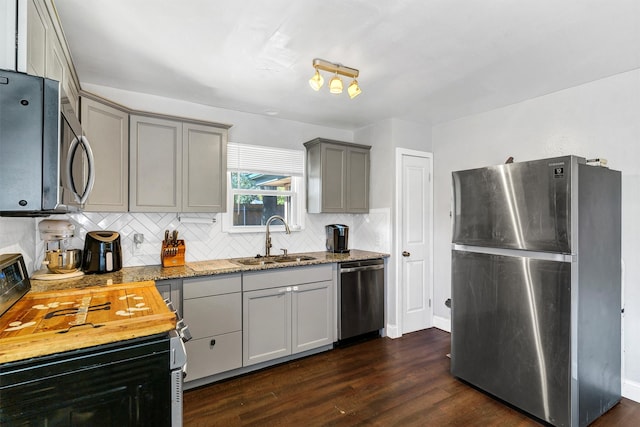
{"x": 212, "y": 343}
{"x": 295, "y": 289}
{"x": 288, "y": 288}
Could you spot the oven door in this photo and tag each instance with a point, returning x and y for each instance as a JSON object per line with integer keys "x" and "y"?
{"x": 126, "y": 383}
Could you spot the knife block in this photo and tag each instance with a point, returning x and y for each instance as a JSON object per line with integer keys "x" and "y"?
{"x": 172, "y": 256}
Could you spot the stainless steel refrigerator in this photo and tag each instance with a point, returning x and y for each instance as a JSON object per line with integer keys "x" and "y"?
{"x": 536, "y": 286}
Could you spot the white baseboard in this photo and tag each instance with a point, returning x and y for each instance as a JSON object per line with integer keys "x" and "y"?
{"x": 442, "y": 323}
{"x": 631, "y": 390}
{"x": 392, "y": 331}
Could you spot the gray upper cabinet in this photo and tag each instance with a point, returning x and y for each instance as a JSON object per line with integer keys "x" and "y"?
{"x": 36, "y": 52}
{"x": 204, "y": 165}
{"x": 107, "y": 129}
{"x": 337, "y": 176}
{"x": 41, "y": 49}
{"x": 156, "y": 165}
{"x": 176, "y": 166}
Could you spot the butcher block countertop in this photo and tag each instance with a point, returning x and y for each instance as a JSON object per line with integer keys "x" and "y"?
{"x": 194, "y": 269}
{"x": 43, "y": 323}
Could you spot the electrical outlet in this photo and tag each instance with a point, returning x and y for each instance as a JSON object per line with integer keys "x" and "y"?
{"x": 138, "y": 239}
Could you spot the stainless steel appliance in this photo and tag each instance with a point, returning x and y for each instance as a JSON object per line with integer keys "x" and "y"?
{"x": 126, "y": 378}
{"x": 120, "y": 384}
{"x": 102, "y": 252}
{"x": 14, "y": 280}
{"x": 47, "y": 164}
{"x": 536, "y": 286}
{"x": 360, "y": 298}
{"x": 337, "y": 238}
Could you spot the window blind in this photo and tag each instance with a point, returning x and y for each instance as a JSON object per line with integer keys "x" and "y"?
{"x": 258, "y": 158}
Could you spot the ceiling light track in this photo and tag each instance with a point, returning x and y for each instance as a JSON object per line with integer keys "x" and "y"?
{"x": 335, "y": 84}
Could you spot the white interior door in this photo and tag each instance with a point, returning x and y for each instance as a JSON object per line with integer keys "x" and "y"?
{"x": 415, "y": 258}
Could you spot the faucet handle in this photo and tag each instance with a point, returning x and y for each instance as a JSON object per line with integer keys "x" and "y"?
{"x": 285, "y": 251}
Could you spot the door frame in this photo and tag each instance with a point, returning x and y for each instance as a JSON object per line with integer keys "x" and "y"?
{"x": 396, "y": 331}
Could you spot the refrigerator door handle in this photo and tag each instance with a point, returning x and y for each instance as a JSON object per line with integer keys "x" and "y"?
{"x": 546, "y": 256}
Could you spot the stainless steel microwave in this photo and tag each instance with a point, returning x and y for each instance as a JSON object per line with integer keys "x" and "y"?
{"x": 46, "y": 164}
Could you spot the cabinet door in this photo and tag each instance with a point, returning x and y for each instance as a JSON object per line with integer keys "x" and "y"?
{"x": 213, "y": 315}
{"x": 312, "y": 316}
{"x": 334, "y": 168}
{"x": 107, "y": 129}
{"x": 156, "y": 165}
{"x": 266, "y": 325}
{"x": 213, "y": 355}
{"x": 357, "y": 183}
{"x": 36, "y": 40}
{"x": 204, "y": 163}
{"x": 55, "y": 61}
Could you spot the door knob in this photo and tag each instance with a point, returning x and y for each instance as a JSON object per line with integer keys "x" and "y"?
{"x": 405, "y": 253}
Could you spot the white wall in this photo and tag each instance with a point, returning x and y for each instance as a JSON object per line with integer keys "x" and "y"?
{"x": 598, "y": 119}
{"x": 17, "y": 237}
{"x": 385, "y": 137}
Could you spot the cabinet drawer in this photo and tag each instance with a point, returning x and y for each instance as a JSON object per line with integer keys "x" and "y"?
{"x": 213, "y": 355}
{"x": 286, "y": 277}
{"x": 213, "y": 315}
{"x": 211, "y": 285}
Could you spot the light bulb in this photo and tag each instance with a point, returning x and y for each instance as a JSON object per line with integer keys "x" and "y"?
{"x": 335, "y": 84}
{"x": 316, "y": 81}
{"x": 353, "y": 89}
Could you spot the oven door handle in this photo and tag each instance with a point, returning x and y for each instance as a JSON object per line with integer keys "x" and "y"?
{"x": 363, "y": 268}
{"x": 81, "y": 140}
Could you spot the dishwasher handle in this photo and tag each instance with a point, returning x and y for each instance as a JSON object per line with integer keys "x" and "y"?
{"x": 363, "y": 268}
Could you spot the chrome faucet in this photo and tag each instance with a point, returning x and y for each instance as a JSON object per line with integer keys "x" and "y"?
{"x": 267, "y": 243}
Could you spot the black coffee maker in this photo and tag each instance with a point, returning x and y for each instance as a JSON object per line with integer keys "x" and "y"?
{"x": 337, "y": 238}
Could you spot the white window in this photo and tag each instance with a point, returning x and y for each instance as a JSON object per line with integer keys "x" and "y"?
{"x": 262, "y": 182}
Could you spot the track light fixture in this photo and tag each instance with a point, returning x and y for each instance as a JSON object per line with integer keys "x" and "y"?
{"x": 335, "y": 84}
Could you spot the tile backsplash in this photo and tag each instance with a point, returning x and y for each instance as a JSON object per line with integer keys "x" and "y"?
{"x": 204, "y": 239}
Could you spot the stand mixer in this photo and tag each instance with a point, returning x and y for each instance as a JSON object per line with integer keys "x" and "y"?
{"x": 60, "y": 261}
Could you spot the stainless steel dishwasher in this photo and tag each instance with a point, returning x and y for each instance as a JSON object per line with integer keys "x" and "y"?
{"x": 360, "y": 297}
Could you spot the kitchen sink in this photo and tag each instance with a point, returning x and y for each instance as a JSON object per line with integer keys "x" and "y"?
{"x": 293, "y": 258}
{"x": 272, "y": 260}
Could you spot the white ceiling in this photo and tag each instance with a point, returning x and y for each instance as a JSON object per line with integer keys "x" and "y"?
{"x": 427, "y": 61}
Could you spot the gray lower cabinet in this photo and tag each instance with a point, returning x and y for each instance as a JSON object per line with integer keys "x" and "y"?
{"x": 212, "y": 308}
{"x": 286, "y": 311}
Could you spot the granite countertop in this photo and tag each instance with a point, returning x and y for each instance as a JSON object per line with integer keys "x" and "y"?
{"x": 194, "y": 269}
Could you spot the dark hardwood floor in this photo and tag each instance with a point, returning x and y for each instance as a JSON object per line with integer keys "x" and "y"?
{"x": 381, "y": 382}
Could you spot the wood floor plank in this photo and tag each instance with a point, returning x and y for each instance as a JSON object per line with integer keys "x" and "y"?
{"x": 381, "y": 382}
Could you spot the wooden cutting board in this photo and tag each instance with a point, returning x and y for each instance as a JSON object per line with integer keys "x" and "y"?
{"x": 42, "y": 323}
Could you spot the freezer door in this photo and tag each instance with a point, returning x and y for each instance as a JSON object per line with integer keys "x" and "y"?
{"x": 516, "y": 206}
{"x": 510, "y": 330}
